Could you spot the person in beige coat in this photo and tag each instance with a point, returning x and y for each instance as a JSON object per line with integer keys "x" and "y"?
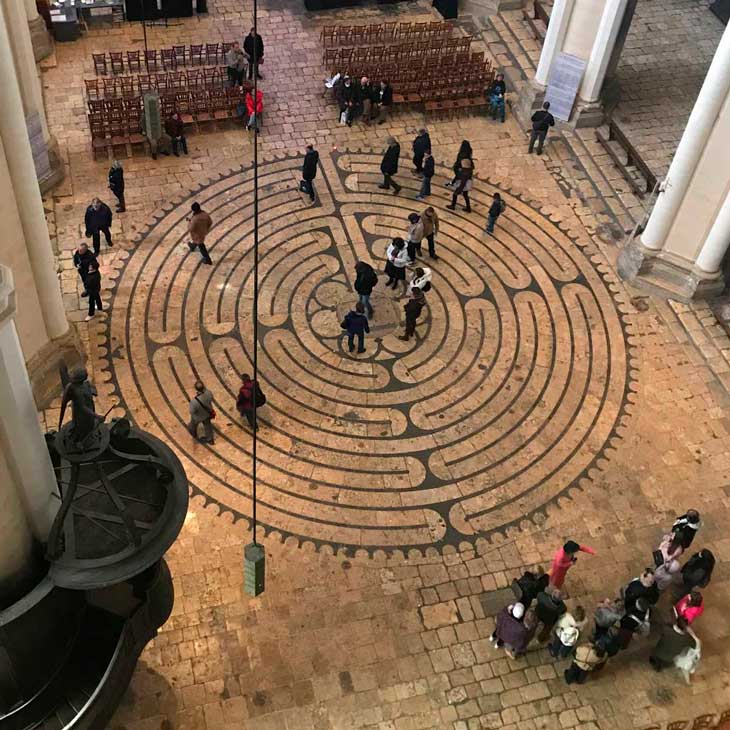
{"x": 415, "y": 236}
{"x": 199, "y": 223}
{"x": 430, "y": 221}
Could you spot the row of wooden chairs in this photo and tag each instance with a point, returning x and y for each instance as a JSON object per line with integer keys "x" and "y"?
{"x": 332, "y": 36}
{"x": 115, "y": 128}
{"x": 333, "y": 58}
{"x": 703, "y": 722}
{"x": 130, "y": 86}
{"x": 201, "y": 54}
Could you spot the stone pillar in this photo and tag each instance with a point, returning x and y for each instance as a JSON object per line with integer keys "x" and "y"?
{"x": 27, "y": 480}
{"x": 680, "y": 251}
{"x": 554, "y": 38}
{"x": 39, "y": 35}
{"x": 29, "y": 82}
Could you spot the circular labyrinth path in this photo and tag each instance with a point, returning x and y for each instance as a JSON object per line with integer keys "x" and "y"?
{"x": 512, "y": 389}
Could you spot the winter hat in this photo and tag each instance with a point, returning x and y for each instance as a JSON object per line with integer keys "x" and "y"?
{"x": 518, "y": 610}
{"x": 571, "y": 547}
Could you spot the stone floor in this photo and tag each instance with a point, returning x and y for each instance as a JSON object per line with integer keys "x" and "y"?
{"x": 400, "y": 491}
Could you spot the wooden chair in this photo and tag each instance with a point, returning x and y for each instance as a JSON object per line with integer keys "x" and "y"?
{"x": 99, "y": 140}
{"x": 168, "y": 58}
{"x": 129, "y": 87}
{"x": 404, "y": 29}
{"x": 144, "y": 84}
{"x": 184, "y": 104}
{"x": 201, "y": 106}
{"x": 161, "y": 82}
{"x": 210, "y": 77}
{"x": 179, "y": 53}
{"x": 327, "y": 35}
{"x": 110, "y": 88}
{"x": 119, "y": 137}
{"x": 211, "y": 53}
{"x": 225, "y": 47}
{"x": 390, "y": 31}
{"x": 100, "y": 66}
{"x": 177, "y": 81}
{"x": 677, "y": 725}
{"x": 133, "y": 124}
{"x": 117, "y": 62}
{"x": 92, "y": 88}
{"x": 134, "y": 61}
{"x": 704, "y": 722}
{"x": 151, "y": 60}
{"x": 219, "y": 105}
{"x": 196, "y": 54}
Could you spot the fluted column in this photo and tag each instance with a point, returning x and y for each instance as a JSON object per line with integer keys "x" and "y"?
{"x": 554, "y": 38}
{"x": 14, "y": 134}
{"x": 39, "y": 35}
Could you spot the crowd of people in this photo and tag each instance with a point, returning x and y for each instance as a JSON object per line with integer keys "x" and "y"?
{"x": 540, "y": 603}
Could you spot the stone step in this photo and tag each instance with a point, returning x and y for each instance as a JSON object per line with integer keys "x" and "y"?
{"x": 512, "y": 52}
{"x": 529, "y": 46}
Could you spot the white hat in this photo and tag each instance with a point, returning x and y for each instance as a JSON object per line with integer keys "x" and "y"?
{"x": 518, "y": 610}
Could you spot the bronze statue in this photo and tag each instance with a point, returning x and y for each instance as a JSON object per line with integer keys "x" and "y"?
{"x": 81, "y": 395}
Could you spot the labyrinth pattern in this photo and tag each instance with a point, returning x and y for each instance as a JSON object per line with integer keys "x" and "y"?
{"x": 516, "y": 381}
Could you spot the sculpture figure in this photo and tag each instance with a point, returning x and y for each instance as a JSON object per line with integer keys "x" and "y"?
{"x": 80, "y": 393}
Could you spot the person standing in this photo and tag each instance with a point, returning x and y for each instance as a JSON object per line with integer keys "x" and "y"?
{"x": 421, "y": 279}
{"x": 309, "y": 171}
{"x": 667, "y": 574}
{"x": 235, "y": 62}
{"x": 367, "y": 94}
{"x": 588, "y": 658}
{"x": 384, "y": 101}
{"x": 253, "y": 47}
{"x": 97, "y": 220}
{"x": 199, "y": 224}
{"x": 529, "y": 584}
{"x": 389, "y": 166}
{"x": 365, "y": 281}
{"x": 606, "y": 616}
{"x": 347, "y": 99}
{"x": 564, "y": 559}
{"x": 254, "y": 110}
{"x": 642, "y": 587}
{"x": 413, "y": 308}
{"x": 93, "y": 286}
{"x": 176, "y": 129}
{"x": 495, "y": 97}
{"x": 510, "y": 630}
{"x": 697, "y": 571}
{"x": 689, "y": 608}
{"x": 686, "y": 527}
{"x": 356, "y": 324}
{"x": 201, "y": 413}
{"x": 428, "y": 173}
{"x": 116, "y": 185}
{"x": 495, "y": 210}
{"x": 82, "y": 259}
{"x": 421, "y": 145}
{"x": 463, "y": 185}
{"x": 245, "y": 399}
{"x": 542, "y": 120}
{"x": 415, "y": 236}
{"x": 635, "y": 620}
{"x": 675, "y": 639}
{"x": 464, "y": 153}
{"x": 567, "y": 631}
{"x": 395, "y": 265}
{"x": 430, "y": 229}
{"x": 549, "y": 607}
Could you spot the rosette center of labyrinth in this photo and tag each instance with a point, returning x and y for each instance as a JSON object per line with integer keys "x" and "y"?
{"x": 512, "y": 388}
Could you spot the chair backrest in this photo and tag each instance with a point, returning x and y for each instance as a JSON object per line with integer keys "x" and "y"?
{"x": 704, "y": 722}
{"x": 677, "y": 725}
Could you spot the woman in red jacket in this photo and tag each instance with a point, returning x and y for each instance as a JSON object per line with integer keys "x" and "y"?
{"x": 244, "y": 402}
{"x": 254, "y": 113}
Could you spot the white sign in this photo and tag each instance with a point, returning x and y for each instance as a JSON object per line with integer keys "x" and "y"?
{"x": 563, "y": 83}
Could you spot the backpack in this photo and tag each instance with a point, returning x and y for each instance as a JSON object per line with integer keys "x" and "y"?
{"x": 260, "y": 397}
{"x": 502, "y": 206}
{"x": 372, "y": 278}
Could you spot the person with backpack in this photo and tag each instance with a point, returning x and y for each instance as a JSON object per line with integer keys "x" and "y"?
{"x": 201, "y": 413}
{"x": 413, "y": 308}
{"x": 245, "y": 399}
{"x": 495, "y": 210}
{"x": 365, "y": 281}
{"x": 309, "y": 171}
{"x": 541, "y": 121}
{"x": 588, "y": 658}
{"x": 356, "y": 324}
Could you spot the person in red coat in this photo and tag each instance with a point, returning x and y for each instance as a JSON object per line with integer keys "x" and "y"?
{"x": 254, "y": 112}
{"x": 564, "y": 559}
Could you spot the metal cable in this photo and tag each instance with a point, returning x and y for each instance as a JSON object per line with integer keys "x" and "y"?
{"x": 255, "y": 256}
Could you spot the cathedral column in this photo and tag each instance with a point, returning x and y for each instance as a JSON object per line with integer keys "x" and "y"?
{"x": 554, "y": 38}
{"x": 687, "y": 235}
{"x": 39, "y": 35}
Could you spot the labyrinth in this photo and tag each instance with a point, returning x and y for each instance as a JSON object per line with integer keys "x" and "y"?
{"x": 513, "y": 388}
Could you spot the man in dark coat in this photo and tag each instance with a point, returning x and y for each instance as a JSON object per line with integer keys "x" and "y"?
{"x": 93, "y": 286}
{"x": 356, "y": 323}
{"x": 674, "y": 640}
{"x": 495, "y": 96}
{"x": 421, "y": 145}
{"x": 116, "y": 185}
{"x": 429, "y": 168}
{"x": 309, "y": 171}
{"x": 686, "y": 527}
{"x": 549, "y": 607}
{"x": 348, "y": 99}
{"x": 365, "y": 281}
{"x": 384, "y": 100}
{"x": 253, "y": 47}
{"x": 176, "y": 129}
{"x": 541, "y": 121}
{"x": 642, "y": 587}
{"x": 389, "y": 166}
{"x": 98, "y": 218}
{"x": 413, "y": 308}
{"x": 82, "y": 259}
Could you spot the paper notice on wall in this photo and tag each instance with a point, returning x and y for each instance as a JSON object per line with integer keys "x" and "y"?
{"x": 566, "y": 74}
{"x": 38, "y": 146}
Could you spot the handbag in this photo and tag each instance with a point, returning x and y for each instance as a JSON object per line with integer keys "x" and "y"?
{"x": 210, "y": 411}
{"x": 658, "y": 558}
{"x": 343, "y": 117}
{"x": 468, "y": 185}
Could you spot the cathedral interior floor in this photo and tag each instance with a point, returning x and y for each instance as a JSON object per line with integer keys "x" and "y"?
{"x": 399, "y": 491}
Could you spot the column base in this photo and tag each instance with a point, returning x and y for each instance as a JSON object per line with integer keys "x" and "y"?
{"x": 530, "y": 100}
{"x": 44, "y": 367}
{"x": 588, "y": 114}
{"x": 57, "y": 168}
{"x": 654, "y": 272}
{"x": 40, "y": 38}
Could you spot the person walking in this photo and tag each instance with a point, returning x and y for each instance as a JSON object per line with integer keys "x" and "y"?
{"x": 176, "y": 130}
{"x": 464, "y": 153}
{"x": 588, "y": 658}
{"x": 389, "y": 166}
{"x": 97, "y": 220}
{"x": 430, "y": 229}
{"x": 93, "y": 287}
{"x": 421, "y": 145}
{"x": 564, "y": 559}
{"x": 567, "y": 631}
{"x": 413, "y": 308}
{"x": 395, "y": 265}
{"x": 82, "y": 259}
{"x": 542, "y": 120}
{"x": 253, "y": 47}
{"x": 495, "y": 210}
{"x": 463, "y": 185}
{"x": 510, "y": 631}
{"x": 687, "y": 526}
{"x": 675, "y": 639}
{"x": 421, "y": 279}
{"x": 356, "y": 324}
{"x": 495, "y": 97}
{"x": 199, "y": 224}
{"x": 245, "y": 399}
{"x": 116, "y": 185}
{"x": 415, "y": 236}
{"x": 309, "y": 171}
{"x": 201, "y": 413}
{"x": 365, "y": 281}
{"x": 549, "y": 607}
{"x": 428, "y": 171}
{"x": 384, "y": 100}
{"x": 254, "y": 110}
{"x": 235, "y": 63}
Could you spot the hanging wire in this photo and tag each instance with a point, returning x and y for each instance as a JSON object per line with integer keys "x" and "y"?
{"x": 255, "y": 254}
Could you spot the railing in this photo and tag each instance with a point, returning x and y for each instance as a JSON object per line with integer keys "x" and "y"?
{"x": 633, "y": 159}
